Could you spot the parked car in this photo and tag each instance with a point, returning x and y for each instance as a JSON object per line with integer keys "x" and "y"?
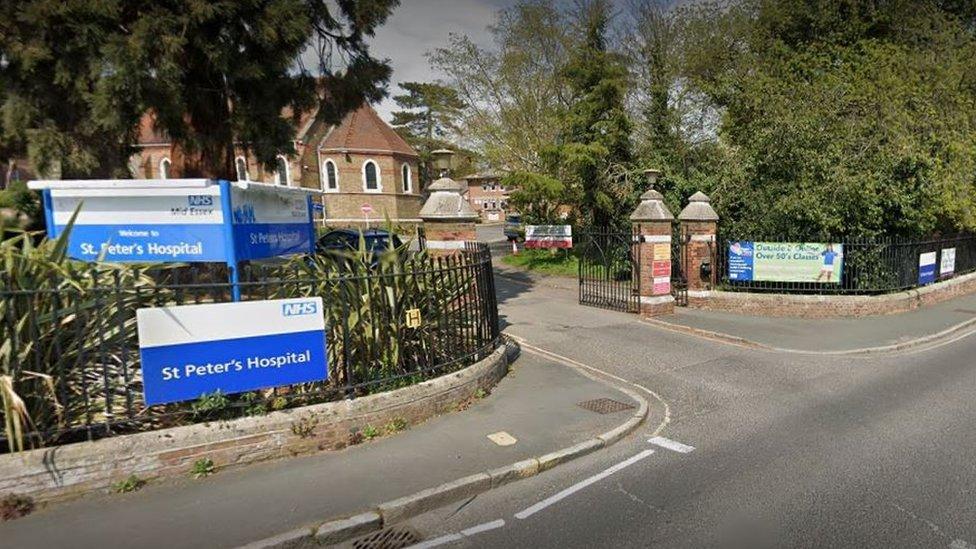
{"x": 343, "y": 242}
{"x": 514, "y": 230}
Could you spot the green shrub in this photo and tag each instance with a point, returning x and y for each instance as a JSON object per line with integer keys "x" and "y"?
{"x": 130, "y": 484}
{"x": 203, "y": 467}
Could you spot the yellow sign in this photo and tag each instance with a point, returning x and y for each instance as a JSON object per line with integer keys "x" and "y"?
{"x": 413, "y": 318}
{"x": 662, "y": 252}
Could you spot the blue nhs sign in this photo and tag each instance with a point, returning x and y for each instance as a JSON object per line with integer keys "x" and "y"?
{"x": 299, "y": 308}
{"x": 192, "y": 350}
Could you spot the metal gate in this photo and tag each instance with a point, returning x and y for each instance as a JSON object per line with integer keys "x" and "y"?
{"x": 679, "y": 267}
{"x": 609, "y": 270}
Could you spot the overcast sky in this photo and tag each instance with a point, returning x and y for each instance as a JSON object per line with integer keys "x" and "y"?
{"x": 418, "y": 26}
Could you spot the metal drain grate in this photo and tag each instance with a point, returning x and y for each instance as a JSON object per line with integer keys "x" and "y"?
{"x": 393, "y": 537}
{"x": 604, "y": 405}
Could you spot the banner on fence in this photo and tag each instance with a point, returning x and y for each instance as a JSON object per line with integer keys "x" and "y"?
{"x": 926, "y": 268}
{"x": 947, "y": 265}
{"x": 786, "y": 261}
{"x": 548, "y": 236}
{"x": 192, "y": 350}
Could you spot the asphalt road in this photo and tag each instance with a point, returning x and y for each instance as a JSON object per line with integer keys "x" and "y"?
{"x": 789, "y": 449}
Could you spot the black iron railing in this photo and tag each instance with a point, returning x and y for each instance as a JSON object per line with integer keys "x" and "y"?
{"x": 70, "y": 349}
{"x": 870, "y": 265}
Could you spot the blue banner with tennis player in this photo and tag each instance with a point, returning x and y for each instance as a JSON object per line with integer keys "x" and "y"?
{"x": 786, "y": 262}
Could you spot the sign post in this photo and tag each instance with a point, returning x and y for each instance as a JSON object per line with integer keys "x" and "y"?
{"x": 179, "y": 220}
{"x": 367, "y": 209}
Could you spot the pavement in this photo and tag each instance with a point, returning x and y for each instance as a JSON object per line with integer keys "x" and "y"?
{"x": 779, "y": 448}
{"x": 536, "y": 403}
{"x": 831, "y": 335}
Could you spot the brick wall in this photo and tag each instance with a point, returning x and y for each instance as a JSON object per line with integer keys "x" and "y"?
{"x": 63, "y": 472}
{"x": 655, "y": 235}
{"x": 481, "y": 199}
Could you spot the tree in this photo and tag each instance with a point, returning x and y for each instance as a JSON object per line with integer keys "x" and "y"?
{"x": 536, "y": 196}
{"x": 58, "y": 101}
{"x": 513, "y": 92}
{"x": 428, "y": 119}
{"x": 841, "y": 118}
{"x": 213, "y": 72}
{"x": 594, "y": 142}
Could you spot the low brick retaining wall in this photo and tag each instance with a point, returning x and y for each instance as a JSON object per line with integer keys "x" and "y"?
{"x": 831, "y": 306}
{"x": 63, "y": 472}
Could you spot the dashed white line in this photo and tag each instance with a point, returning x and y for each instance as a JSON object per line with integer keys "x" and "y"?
{"x": 483, "y": 527}
{"x": 528, "y": 512}
{"x": 672, "y": 445}
{"x": 451, "y": 538}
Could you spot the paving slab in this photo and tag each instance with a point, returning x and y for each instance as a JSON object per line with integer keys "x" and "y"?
{"x": 536, "y": 403}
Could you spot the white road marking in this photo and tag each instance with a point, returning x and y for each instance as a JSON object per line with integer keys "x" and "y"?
{"x": 437, "y": 541}
{"x": 672, "y": 445}
{"x": 451, "y": 538}
{"x": 483, "y": 527}
{"x": 580, "y": 485}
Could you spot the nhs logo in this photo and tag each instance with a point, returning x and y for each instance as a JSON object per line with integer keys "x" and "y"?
{"x": 200, "y": 200}
{"x": 299, "y": 308}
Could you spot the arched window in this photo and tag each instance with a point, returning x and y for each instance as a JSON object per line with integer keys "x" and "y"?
{"x": 330, "y": 180}
{"x": 282, "y": 177}
{"x": 405, "y": 174}
{"x": 164, "y": 166}
{"x": 241, "y": 166}
{"x": 371, "y": 177}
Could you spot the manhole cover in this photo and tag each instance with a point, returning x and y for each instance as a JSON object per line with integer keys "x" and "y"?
{"x": 605, "y": 405}
{"x": 393, "y": 537}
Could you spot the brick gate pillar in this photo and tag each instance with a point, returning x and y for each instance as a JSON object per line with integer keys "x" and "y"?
{"x": 699, "y": 226}
{"x": 652, "y": 230}
{"x": 448, "y": 219}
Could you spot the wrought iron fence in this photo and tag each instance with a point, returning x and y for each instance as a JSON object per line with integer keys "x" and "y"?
{"x": 870, "y": 265}
{"x": 609, "y": 269}
{"x": 71, "y": 348}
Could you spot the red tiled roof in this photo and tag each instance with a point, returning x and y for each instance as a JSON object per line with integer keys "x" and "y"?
{"x": 363, "y": 129}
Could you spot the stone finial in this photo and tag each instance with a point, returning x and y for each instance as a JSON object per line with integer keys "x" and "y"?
{"x": 446, "y": 203}
{"x": 652, "y": 208}
{"x": 699, "y": 208}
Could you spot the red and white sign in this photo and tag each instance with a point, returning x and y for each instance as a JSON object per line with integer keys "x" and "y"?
{"x": 366, "y": 209}
{"x": 548, "y": 236}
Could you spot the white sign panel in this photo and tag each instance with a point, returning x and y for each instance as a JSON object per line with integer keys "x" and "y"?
{"x": 948, "y": 264}
{"x": 548, "y": 236}
{"x": 193, "y": 350}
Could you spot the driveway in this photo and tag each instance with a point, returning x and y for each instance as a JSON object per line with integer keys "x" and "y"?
{"x": 788, "y": 449}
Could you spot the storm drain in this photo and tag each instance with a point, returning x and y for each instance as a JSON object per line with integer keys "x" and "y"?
{"x": 605, "y": 405}
{"x": 393, "y": 537}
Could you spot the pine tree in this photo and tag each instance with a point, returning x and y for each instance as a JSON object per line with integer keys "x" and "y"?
{"x": 427, "y": 119}
{"x": 595, "y": 141}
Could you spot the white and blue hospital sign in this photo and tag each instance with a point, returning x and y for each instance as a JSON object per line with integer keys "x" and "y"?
{"x": 268, "y": 223}
{"x": 183, "y": 220}
{"x": 192, "y": 350}
{"x": 167, "y": 224}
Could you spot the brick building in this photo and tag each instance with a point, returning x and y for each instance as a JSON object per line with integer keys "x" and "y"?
{"x": 487, "y": 196}
{"x": 360, "y": 161}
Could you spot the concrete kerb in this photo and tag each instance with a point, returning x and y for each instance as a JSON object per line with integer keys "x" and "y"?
{"x": 400, "y": 509}
{"x": 863, "y": 351}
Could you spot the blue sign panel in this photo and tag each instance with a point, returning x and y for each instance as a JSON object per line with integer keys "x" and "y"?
{"x": 741, "y": 257}
{"x": 262, "y": 240}
{"x": 190, "y": 351}
{"x": 146, "y": 243}
{"x": 270, "y": 222}
{"x": 926, "y": 268}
